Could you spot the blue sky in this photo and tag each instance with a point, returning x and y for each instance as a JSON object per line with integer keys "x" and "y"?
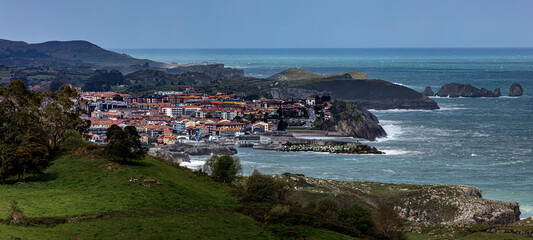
{"x": 271, "y": 24}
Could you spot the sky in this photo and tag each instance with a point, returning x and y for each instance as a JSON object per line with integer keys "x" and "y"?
{"x": 271, "y": 24}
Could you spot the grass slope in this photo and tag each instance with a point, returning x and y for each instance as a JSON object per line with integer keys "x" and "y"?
{"x": 100, "y": 202}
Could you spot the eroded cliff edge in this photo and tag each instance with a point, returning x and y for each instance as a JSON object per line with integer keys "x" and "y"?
{"x": 443, "y": 204}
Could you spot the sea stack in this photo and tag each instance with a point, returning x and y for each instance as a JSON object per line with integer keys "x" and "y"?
{"x": 497, "y": 92}
{"x": 428, "y": 92}
{"x": 515, "y": 90}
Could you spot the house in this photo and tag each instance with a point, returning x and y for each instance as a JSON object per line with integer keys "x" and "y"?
{"x": 310, "y": 101}
{"x": 262, "y": 127}
{"x": 144, "y": 138}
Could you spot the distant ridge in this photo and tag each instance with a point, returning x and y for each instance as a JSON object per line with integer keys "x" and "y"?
{"x": 66, "y": 54}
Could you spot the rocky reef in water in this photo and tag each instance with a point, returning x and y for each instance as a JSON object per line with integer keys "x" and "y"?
{"x": 466, "y": 90}
{"x": 516, "y": 90}
{"x": 443, "y": 204}
{"x": 460, "y": 90}
{"x": 428, "y": 92}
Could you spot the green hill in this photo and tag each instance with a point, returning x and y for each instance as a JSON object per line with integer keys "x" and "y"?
{"x": 67, "y": 53}
{"x": 82, "y": 198}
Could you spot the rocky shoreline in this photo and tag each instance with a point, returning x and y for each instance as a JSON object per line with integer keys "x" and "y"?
{"x": 430, "y": 204}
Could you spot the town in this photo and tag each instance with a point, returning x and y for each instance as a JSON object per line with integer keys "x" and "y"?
{"x": 166, "y": 118}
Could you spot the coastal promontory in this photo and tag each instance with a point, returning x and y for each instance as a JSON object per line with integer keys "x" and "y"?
{"x": 369, "y": 93}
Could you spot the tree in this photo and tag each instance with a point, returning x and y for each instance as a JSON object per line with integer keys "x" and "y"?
{"x": 387, "y": 222}
{"x": 223, "y": 168}
{"x": 32, "y": 153}
{"x": 71, "y": 140}
{"x": 124, "y": 144}
{"x": 31, "y": 126}
{"x": 282, "y": 126}
{"x": 328, "y": 206}
{"x": 357, "y": 216}
{"x": 260, "y": 188}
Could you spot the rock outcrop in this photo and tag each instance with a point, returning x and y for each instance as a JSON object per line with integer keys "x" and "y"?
{"x": 497, "y": 92}
{"x": 428, "y": 92}
{"x": 516, "y": 90}
{"x": 445, "y": 204}
{"x": 174, "y": 157}
{"x": 459, "y": 90}
{"x": 355, "y": 121}
{"x": 200, "y": 150}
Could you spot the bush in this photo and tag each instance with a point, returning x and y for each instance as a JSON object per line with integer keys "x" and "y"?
{"x": 16, "y": 216}
{"x": 328, "y": 206}
{"x": 71, "y": 141}
{"x": 311, "y": 205}
{"x": 260, "y": 188}
{"x": 223, "y": 168}
{"x": 279, "y": 211}
{"x": 357, "y": 216}
{"x": 387, "y": 223}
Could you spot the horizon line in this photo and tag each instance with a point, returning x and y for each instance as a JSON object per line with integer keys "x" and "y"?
{"x": 303, "y": 48}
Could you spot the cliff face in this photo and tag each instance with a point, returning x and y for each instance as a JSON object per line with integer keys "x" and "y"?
{"x": 355, "y": 121}
{"x": 445, "y": 204}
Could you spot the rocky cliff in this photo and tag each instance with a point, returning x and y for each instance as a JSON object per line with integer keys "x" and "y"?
{"x": 515, "y": 90}
{"x": 445, "y": 204}
{"x": 353, "y": 120}
{"x": 460, "y": 90}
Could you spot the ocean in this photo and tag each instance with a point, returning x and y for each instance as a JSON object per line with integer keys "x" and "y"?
{"x": 482, "y": 142}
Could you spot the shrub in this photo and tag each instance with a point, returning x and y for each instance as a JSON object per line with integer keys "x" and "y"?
{"x": 223, "y": 168}
{"x": 71, "y": 141}
{"x": 283, "y": 188}
{"x": 260, "y": 188}
{"x": 387, "y": 222}
{"x": 16, "y": 216}
{"x": 279, "y": 210}
{"x": 357, "y": 216}
{"x": 311, "y": 205}
{"x": 328, "y": 206}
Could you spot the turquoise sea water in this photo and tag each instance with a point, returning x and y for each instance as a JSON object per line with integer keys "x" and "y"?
{"x": 483, "y": 142}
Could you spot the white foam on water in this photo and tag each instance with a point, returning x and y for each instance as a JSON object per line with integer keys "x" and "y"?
{"x": 526, "y": 211}
{"x": 393, "y": 130}
{"x": 394, "y": 152}
{"x": 473, "y": 155}
{"x": 507, "y": 163}
{"x": 398, "y": 110}
{"x": 450, "y": 109}
{"x": 389, "y": 171}
{"x": 193, "y": 164}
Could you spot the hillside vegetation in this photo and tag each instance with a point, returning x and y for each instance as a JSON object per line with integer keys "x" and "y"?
{"x": 85, "y": 198}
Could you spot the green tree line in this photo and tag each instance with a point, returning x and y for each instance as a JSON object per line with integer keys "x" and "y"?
{"x": 32, "y": 125}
